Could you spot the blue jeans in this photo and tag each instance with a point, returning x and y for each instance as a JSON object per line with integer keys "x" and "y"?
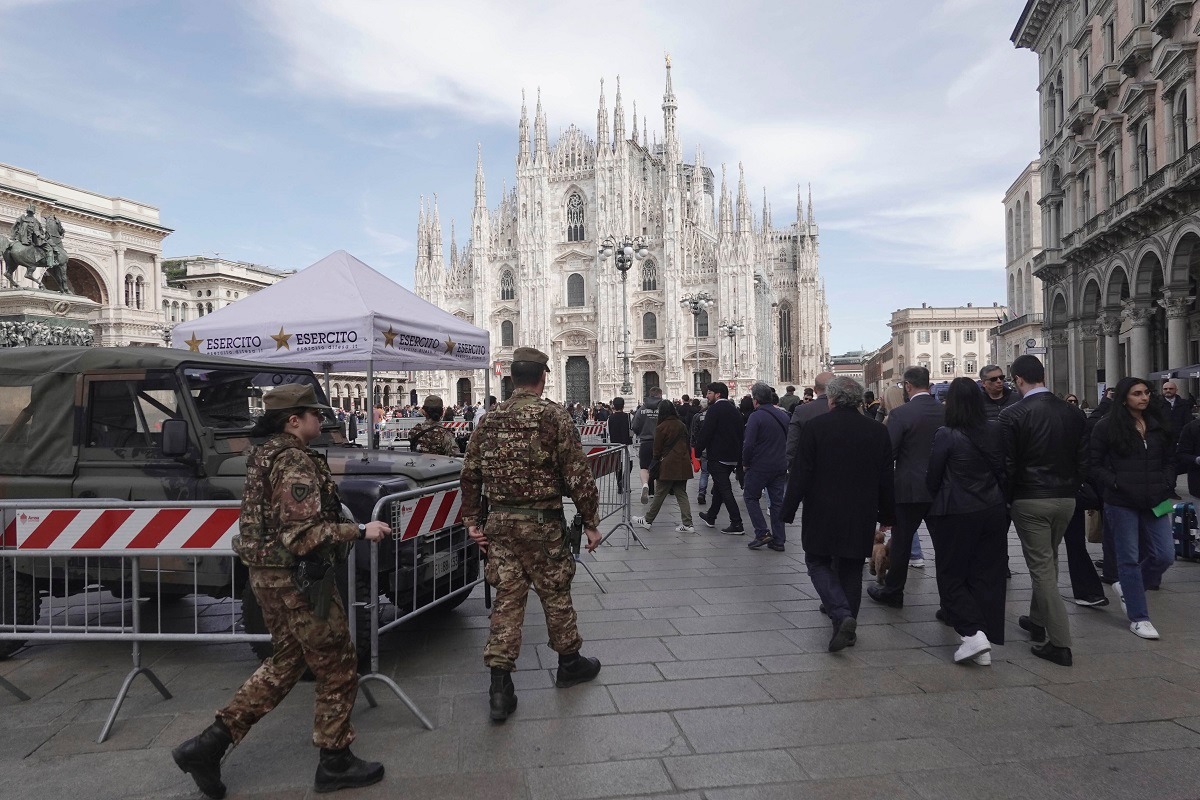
{"x": 703, "y": 486}
{"x": 1135, "y": 530}
{"x": 916, "y": 548}
{"x": 776, "y": 487}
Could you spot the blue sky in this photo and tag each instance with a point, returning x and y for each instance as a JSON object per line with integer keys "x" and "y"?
{"x": 277, "y": 131}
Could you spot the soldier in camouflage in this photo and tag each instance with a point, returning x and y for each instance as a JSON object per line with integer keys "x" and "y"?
{"x": 530, "y": 451}
{"x": 291, "y": 517}
{"x": 431, "y": 436}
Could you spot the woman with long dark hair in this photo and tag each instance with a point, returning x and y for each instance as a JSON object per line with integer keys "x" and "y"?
{"x": 673, "y": 451}
{"x": 1131, "y": 456}
{"x": 968, "y": 521}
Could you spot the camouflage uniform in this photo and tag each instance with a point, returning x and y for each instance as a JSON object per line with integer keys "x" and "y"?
{"x": 291, "y": 508}
{"x": 530, "y": 451}
{"x": 435, "y": 438}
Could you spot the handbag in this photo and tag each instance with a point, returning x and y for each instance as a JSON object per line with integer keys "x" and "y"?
{"x": 657, "y": 463}
{"x": 1095, "y": 526}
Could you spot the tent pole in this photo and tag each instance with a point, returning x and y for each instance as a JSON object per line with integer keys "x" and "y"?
{"x": 372, "y": 442}
{"x": 487, "y": 386}
{"x": 328, "y": 397}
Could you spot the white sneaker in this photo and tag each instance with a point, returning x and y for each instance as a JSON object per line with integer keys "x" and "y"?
{"x": 984, "y": 659}
{"x": 1144, "y": 629}
{"x": 640, "y": 522}
{"x": 1120, "y": 595}
{"x": 972, "y": 646}
{"x": 681, "y": 528}
{"x": 919, "y": 563}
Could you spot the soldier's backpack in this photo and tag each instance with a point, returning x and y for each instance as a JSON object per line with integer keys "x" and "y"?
{"x": 513, "y": 459}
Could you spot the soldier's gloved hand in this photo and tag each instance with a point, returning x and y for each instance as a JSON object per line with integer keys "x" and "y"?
{"x": 593, "y": 537}
{"x": 478, "y": 537}
{"x": 376, "y": 530}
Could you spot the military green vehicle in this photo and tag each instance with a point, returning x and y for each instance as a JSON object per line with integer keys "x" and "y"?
{"x": 135, "y": 423}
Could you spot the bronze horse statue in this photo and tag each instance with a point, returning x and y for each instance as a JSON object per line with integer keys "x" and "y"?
{"x": 51, "y": 256}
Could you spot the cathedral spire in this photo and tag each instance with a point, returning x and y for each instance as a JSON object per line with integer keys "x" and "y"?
{"x": 743, "y": 202}
{"x": 766, "y": 212}
{"x": 725, "y": 222}
{"x": 619, "y": 118}
{"x": 539, "y": 132}
{"x": 453, "y": 246}
{"x": 523, "y": 151}
{"x": 435, "y": 238}
{"x": 480, "y": 189}
{"x": 635, "y": 133}
{"x": 670, "y": 140}
{"x": 602, "y": 138}
{"x": 799, "y": 207}
{"x": 810, "y": 210}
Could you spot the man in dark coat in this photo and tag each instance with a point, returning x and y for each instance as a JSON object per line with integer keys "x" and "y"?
{"x": 911, "y": 428}
{"x": 721, "y": 438}
{"x": 1178, "y": 408}
{"x": 801, "y": 414}
{"x": 618, "y": 433}
{"x": 842, "y": 473}
{"x": 996, "y": 396}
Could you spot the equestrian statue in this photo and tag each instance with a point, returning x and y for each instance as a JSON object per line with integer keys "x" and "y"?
{"x": 34, "y": 246}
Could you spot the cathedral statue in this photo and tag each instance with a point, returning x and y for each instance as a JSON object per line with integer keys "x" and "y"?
{"x": 36, "y": 245}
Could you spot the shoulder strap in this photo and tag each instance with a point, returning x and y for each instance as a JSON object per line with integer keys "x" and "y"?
{"x": 996, "y": 476}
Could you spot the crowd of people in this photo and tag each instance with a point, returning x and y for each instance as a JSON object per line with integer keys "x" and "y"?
{"x": 967, "y": 461}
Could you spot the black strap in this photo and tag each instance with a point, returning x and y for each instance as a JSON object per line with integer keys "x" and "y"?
{"x": 777, "y": 421}
{"x": 996, "y": 476}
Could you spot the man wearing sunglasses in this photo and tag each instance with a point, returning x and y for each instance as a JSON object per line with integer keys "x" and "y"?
{"x": 996, "y": 395}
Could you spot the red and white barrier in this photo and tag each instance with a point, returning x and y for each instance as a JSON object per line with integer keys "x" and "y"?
{"x": 430, "y": 513}
{"x": 122, "y": 529}
{"x": 458, "y": 427}
{"x": 593, "y": 429}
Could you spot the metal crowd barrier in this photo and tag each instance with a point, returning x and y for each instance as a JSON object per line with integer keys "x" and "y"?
{"x": 90, "y": 569}
{"x": 593, "y": 432}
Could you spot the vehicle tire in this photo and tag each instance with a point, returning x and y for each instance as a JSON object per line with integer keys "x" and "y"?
{"x": 19, "y": 604}
{"x": 252, "y": 616}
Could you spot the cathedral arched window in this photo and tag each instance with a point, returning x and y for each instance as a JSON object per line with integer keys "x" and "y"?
{"x": 649, "y": 326}
{"x": 575, "y": 218}
{"x": 785, "y": 342}
{"x": 702, "y": 324}
{"x": 506, "y": 334}
{"x": 649, "y": 277}
{"x": 575, "y": 296}
{"x": 508, "y": 288}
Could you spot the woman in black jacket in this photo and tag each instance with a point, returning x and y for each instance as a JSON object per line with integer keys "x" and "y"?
{"x": 1132, "y": 463}
{"x": 968, "y": 521}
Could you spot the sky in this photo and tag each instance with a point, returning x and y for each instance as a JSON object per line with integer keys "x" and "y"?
{"x": 278, "y": 131}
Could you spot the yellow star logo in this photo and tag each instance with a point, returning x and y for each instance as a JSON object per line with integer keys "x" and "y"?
{"x": 389, "y": 337}
{"x": 281, "y": 339}
{"x": 449, "y": 345}
{"x": 193, "y": 343}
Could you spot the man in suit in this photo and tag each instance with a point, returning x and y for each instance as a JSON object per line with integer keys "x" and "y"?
{"x": 803, "y": 413}
{"x": 911, "y": 428}
{"x": 720, "y": 438}
{"x": 1179, "y": 408}
{"x": 842, "y": 473}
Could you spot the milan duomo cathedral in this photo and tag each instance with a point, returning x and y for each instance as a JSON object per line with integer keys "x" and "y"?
{"x": 531, "y": 276}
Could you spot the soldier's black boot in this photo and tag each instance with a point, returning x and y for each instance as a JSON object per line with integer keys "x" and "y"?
{"x": 575, "y": 669}
{"x": 341, "y": 769}
{"x": 503, "y": 695}
{"x": 201, "y": 757}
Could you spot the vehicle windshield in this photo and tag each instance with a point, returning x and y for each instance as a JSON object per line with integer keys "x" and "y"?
{"x": 230, "y": 400}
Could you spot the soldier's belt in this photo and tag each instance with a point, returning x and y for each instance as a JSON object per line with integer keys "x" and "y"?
{"x": 538, "y": 514}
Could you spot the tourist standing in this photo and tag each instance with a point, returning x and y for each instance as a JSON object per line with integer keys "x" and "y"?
{"x": 673, "y": 454}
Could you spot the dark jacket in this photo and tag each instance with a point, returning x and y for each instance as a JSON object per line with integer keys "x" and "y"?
{"x": 677, "y": 461}
{"x": 645, "y": 419}
{"x": 1141, "y": 479}
{"x": 721, "y": 434}
{"x": 1179, "y": 415}
{"x": 911, "y": 428}
{"x": 1186, "y": 453}
{"x": 994, "y": 407}
{"x": 1044, "y": 447}
{"x": 800, "y": 416}
{"x": 965, "y": 469}
{"x": 686, "y": 412}
{"x": 618, "y": 428}
{"x": 843, "y": 474}
{"x": 694, "y": 429}
{"x": 764, "y": 442}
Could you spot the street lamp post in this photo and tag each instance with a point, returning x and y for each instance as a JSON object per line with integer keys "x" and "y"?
{"x": 732, "y": 328}
{"x": 697, "y": 303}
{"x": 627, "y": 251}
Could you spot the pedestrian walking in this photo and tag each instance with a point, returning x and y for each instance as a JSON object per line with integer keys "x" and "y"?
{"x": 1133, "y": 462}
{"x": 911, "y": 428}
{"x": 702, "y": 483}
{"x": 1178, "y": 409}
{"x": 291, "y": 520}
{"x": 996, "y": 395}
{"x": 764, "y": 460}
{"x": 673, "y": 456}
{"x": 721, "y": 439}
{"x": 790, "y": 400}
{"x": 530, "y": 452}
{"x": 842, "y": 473}
{"x": 618, "y": 433}
{"x": 802, "y": 414}
{"x": 968, "y": 521}
{"x": 431, "y": 436}
{"x": 644, "y": 421}
{"x": 1044, "y": 459}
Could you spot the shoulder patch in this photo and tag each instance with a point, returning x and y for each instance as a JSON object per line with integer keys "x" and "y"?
{"x": 300, "y": 491}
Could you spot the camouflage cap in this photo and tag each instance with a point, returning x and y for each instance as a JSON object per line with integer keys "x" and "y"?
{"x": 531, "y": 354}
{"x": 293, "y": 395}
{"x": 433, "y": 403}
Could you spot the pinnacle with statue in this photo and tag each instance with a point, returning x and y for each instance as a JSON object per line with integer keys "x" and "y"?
{"x": 36, "y": 244}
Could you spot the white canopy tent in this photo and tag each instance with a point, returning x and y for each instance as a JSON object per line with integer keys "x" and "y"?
{"x": 339, "y": 314}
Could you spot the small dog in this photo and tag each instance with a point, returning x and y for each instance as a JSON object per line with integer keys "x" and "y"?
{"x": 880, "y": 557}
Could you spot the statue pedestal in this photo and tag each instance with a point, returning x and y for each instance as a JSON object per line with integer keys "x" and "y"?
{"x": 37, "y": 317}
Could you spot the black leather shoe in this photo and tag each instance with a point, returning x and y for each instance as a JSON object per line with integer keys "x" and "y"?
{"x": 701, "y": 499}
{"x": 941, "y": 616}
{"x": 1053, "y": 653}
{"x": 778, "y": 547}
{"x": 341, "y": 769}
{"x": 889, "y": 599}
{"x": 502, "y": 696}
{"x": 1036, "y": 632}
{"x": 843, "y": 634}
{"x": 201, "y": 757}
{"x": 576, "y": 669}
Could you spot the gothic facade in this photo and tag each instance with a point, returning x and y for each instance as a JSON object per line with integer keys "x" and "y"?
{"x": 531, "y": 274}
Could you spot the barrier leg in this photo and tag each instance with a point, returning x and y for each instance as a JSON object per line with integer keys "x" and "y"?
{"x": 626, "y": 523}
{"x": 138, "y": 669}
{"x": 396, "y": 690}
{"x": 579, "y": 560}
{"x": 13, "y": 690}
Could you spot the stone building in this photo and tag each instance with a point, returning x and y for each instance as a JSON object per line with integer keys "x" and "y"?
{"x": 1121, "y": 170}
{"x": 1022, "y": 244}
{"x": 949, "y": 342}
{"x": 530, "y": 273}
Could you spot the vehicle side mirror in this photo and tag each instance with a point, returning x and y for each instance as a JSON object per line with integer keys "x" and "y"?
{"x": 175, "y": 438}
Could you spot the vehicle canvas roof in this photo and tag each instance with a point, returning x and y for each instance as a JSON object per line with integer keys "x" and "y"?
{"x": 87, "y": 359}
